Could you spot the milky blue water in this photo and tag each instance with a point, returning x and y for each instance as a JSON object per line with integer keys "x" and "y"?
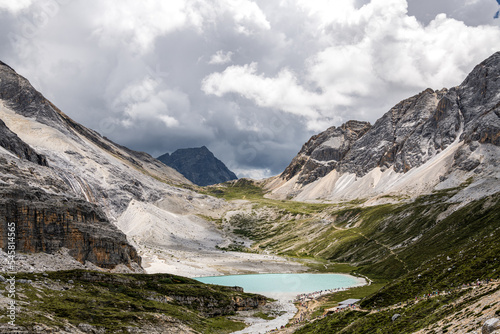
{"x": 270, "y": 284}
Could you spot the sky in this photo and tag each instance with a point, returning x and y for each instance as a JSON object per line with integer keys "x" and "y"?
{"x": 252, "y": 80}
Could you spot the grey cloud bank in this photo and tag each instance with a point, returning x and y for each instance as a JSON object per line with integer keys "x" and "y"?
{"x": 251, "y": 80}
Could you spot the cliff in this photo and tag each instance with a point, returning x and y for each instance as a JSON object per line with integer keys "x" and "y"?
{"x": 46, "y": 223}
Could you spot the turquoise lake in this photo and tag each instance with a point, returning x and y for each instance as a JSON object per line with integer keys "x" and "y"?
{"x": 285, "y": 284}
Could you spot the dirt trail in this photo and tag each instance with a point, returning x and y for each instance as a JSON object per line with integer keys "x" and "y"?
{"x": 386, "y": 247}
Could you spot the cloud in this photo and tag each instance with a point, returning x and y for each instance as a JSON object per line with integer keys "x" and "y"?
{"x": 139, "y": 24}
{"x": 368, "y": 52}
{"x": 15, "y": 6}
{"x": 280, "y": 92}
{"x": 220, "y": 58}
{"x": 255, "y": 173}
{"x": 250, "y": 79}
{"x": 146, "y": 101}
{"x": 247, "y": 15}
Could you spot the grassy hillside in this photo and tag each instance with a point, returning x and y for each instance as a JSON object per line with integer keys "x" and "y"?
{"x": 386, "y": 241}
{"x": 417, "y": 247}
{"x": 116, "y": 302}
{"x": 453, "y": 276}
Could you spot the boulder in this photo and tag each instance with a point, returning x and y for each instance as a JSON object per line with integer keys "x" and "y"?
{"x": 395, "y": 317}
{"x": 491, "y": 326}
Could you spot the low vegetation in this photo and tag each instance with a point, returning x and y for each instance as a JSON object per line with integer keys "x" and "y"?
{"x": 409, "y": 248}
{"x": 115, "y": 302}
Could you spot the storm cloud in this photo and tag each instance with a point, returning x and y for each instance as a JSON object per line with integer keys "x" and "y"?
{"x": 251, "y": 80}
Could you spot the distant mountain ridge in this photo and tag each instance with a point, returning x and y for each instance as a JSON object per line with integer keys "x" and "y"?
{"x": 198, "y": 165}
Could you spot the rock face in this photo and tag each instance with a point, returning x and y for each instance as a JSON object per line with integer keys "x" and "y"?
{"x": 491, "y": 326}
{"x": 323, "y": 152}
{"x": 198, "y": 165}
{"x": 211, "y": 307}
{"x": 46, "y": 223}
{"x": 433, "y": 140}
{"x": 12, "y": 143}
{"x": 86, "y": 185}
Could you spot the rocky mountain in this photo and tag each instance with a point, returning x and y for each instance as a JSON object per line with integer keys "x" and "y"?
{"x": 198, "y": 165}
{"x": 431, "y": 141}
{"x": 67, "y": 187}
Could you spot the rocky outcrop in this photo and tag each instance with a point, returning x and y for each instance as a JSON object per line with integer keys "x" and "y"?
{"x": 94, "y": 167}
{"x": 407, "y": 136}
{"x": 84, "y": 166}
{"x": 323, "y": 152}
{"x": 11, "y": 142}
{"x": 213, "y": 307}
{"x": 198, "y": 165}
{"x": 46, "y": 223}
{"x": 491, "y": 326}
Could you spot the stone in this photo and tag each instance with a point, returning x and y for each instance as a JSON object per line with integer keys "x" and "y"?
{"x": 491, "y": 326}
{"x": 324, "y": 152}
{"x": 2, "y": 279}
{"x": 395, "y": 317}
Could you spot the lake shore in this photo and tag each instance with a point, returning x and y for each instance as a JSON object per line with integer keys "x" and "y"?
{"x": 292, "y": 290}
{"x": 199, "y": 263}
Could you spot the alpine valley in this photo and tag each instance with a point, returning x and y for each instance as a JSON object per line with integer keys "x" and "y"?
{"x": 106, "y": 237}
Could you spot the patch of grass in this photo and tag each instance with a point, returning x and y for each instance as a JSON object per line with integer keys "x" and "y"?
{"x": 409, "y": 248}
{"x": 412, "y": 318}
{"x": 264, "y": 316}
{"x": 325, "y": 266}
{"x": 239, "y": 189}
{"x": 222, "y": 325}
{"x": 332, "y": 324}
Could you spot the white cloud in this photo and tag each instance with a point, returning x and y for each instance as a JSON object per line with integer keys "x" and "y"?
{"x": 253, "y": 173}
{"x": 280, "y": 92}
{"x": 15, "y": 6}
{"x": 247, "y": 15}
{"x": 220, "y": 58}
{"x": 320, "y": 63}
{"x": 147, "y": 101}
{"x": 383, "y": 52}
{"x": 139, "y": 24}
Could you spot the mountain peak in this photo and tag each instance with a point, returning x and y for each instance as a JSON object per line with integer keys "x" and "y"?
{"x": 435, "y": 139}
{"x": 199, "y": 165}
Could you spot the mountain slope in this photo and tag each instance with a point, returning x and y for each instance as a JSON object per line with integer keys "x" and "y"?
{"x": 43, "y": 151}
{"x": 84, "y": 160}
{"x": 431, "y": 141}
{"x": 198, "y": 165}
{"x": 148, "y": 201}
